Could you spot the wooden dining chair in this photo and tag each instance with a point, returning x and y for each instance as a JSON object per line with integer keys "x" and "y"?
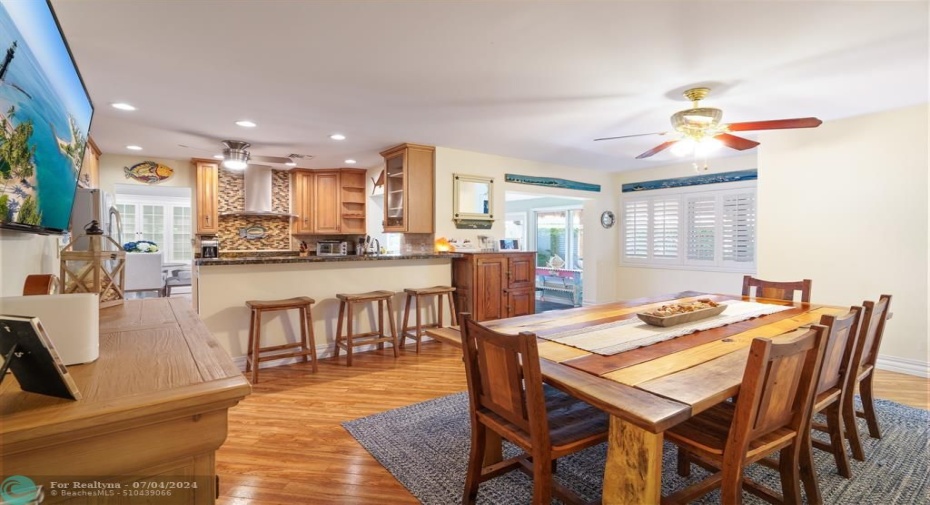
{"x": 40, "y": 284}
{"x": 863, "y": 367}
{"x": 772, "y": 414}
{"x": 777, "y": 290}
{"x": 829, "y": 395}
{"x": 507, "y": 396}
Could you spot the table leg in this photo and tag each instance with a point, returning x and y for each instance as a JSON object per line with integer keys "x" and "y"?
{"x": 633, "y": 472}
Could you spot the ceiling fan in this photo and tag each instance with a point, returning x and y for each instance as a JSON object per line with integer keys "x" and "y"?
{"x": 701, "y": 130}
{"x": 237, "y": 157}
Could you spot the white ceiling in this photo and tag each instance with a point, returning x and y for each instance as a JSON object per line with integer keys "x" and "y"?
{"x": 532, "y": 80}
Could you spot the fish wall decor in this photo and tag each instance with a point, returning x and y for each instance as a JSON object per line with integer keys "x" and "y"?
{"x": 148, "y": 172}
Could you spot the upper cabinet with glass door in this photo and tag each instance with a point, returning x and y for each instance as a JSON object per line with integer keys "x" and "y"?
{"x": 409, "y": 189}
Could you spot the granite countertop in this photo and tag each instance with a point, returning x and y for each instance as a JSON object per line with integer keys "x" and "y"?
{"x": 266, "y": 260}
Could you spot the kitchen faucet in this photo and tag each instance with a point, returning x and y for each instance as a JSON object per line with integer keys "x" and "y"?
{"x": 377, "y": 247}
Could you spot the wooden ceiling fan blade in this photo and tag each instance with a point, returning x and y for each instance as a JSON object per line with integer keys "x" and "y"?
{"x": 631, "y": 136}
{"x": 775, "y": 124}
{"x": 661, "y": 147}
{"x": 734, "y": 142}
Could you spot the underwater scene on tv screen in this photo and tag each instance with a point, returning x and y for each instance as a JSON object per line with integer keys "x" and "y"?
{"x": 44, "y": 119}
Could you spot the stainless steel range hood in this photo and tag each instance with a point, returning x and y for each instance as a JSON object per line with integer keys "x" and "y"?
{"x": 258, "y": 181}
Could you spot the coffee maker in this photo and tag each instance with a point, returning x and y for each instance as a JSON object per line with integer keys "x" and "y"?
{"x": 209, "y": 248}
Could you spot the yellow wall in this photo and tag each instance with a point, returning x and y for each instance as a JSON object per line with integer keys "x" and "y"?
{"x": 846, "y": 205}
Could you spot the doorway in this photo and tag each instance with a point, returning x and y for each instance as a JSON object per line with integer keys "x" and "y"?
{"x": 554, "y": 228}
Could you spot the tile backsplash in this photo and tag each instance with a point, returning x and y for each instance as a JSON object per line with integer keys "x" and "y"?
{"x": 232, "y": 199}
{"x": 276, "y": 237}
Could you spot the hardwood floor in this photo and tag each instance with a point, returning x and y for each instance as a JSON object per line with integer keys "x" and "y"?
{"x": 286, "y": 444}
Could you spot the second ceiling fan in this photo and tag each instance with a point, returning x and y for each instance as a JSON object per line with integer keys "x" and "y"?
{"x": 699, "y": 125}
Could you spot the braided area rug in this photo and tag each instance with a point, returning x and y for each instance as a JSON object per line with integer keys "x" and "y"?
{"x": 425, "y": 446}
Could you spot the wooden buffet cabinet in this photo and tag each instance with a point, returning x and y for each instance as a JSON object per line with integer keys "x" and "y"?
{"x": 154, "y": 411}
{"x": 495, "y": 285}
{"x": 329, "y": 201}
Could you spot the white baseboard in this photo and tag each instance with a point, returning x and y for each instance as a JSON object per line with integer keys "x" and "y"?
{"x": 904, "y": 365}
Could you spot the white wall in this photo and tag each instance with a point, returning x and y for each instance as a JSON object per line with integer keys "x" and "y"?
{"x": 846, "y": 205}
{"x": 599, "y": 262}
{"x": 639, "y": 282}
{"x": 22, "y": 254}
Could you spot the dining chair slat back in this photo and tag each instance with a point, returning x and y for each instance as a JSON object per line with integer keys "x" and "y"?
{"x": 776, "y": 290}
{"x": 875, "y": 315}
{"x": 840, "y": 347}
{"x": 500, "y": 376}
{"x": 781, "y": 374}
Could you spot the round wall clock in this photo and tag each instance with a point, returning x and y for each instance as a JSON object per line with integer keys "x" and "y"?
{"x": 608, "y": 219}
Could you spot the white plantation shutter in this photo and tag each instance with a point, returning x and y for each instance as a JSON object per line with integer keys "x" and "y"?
{"x": 691, "y": 227}
{"x": 636, "y": 229}
{"x": 665, "y": 225}
{"x": 738, "y": 227}
{"x": 702, "y": 227}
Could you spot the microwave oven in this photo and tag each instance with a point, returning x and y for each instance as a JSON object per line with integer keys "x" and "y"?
{"x": 332, "y": 248}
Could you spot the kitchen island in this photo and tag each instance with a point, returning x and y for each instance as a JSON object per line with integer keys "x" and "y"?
{"x": 225, "y": 284}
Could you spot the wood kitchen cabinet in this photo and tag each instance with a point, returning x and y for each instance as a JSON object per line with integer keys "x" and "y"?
{"x": 326, "y": 206}
{"x": 409, "y": 188}
{"x": 330, "y": 202}
{"x": 495, "y": 285}
{"x": 352, "y": 200}
{"x": 90, "y": 165}
{"x": 207, "y": 196}
{"x": 302, "y": 183}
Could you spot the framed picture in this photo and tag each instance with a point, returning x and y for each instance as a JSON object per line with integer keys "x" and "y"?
{"x": 510, "y": 244}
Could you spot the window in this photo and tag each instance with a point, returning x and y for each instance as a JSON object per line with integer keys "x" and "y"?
{"x": 515, "y": 227}
{"x": 560, "y": 232}
{"x": 693, "y": 227}
{"x": 164, "y": 220}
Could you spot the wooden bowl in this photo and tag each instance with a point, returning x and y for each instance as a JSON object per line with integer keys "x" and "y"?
{"x": 685, "y": 317}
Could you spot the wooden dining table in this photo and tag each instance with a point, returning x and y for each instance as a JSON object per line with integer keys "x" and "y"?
{"x": 649, "y": 389}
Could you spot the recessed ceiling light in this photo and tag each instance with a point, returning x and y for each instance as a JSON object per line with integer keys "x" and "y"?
{"x": 246, "y": 123}
{"x": 337, "y": 136}
{"x": 350, "y": 162}
{"x": 123, "y": 106}
{"x": 134, "y": 148}
{"x": 218, "y": 156}
{"x": 290, "y": 164}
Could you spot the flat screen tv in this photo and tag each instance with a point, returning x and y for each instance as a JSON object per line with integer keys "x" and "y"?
{"x": 45, "y": 115}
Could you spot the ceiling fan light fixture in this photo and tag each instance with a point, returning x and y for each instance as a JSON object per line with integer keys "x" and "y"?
{"x": 235, "y": 159}
{"x": 696, "y": 119}
{"x": 684, "y": 147}
{"x": 707, "y": 146}
{"x": 235, "y": 155}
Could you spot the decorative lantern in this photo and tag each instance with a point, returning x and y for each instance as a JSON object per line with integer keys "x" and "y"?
{"x": 97, "y": 269}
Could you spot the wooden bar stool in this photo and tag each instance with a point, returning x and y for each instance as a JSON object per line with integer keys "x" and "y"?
{"x": 350, "y": 339}
{"x": 417, "y": 294}
{"x": 306, "y": 346}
